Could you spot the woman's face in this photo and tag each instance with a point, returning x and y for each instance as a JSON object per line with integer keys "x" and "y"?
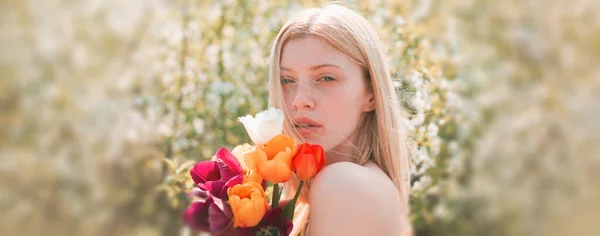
{"x": 324, "y": 91}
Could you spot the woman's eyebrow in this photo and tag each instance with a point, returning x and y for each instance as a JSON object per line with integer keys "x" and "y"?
{"x": 324, "y": 65}
{"x": 315, "y": 67}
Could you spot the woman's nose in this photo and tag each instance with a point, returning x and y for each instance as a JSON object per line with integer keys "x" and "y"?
{"x": 303, "y": 99}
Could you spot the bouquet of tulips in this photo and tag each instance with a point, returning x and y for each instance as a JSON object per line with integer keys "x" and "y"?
{"x": 229, "y": 197}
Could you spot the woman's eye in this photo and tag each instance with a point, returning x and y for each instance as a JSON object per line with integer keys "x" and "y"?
{"x": 327, "y": 78}
{"x": 286, "y": 80}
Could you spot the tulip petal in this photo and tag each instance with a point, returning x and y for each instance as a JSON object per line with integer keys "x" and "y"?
{"x": 248, "y": 204}
{"x": 214, "y": 187}
{"x": 239, "y": 152}
{"x": 308, "y": 161}
{"x": 269, "y": 127}
{"x": 279, "y": 143}
{"x": 265, "y": 126}
{"x": 285, "y": 157}
{"x": 228, "y": 165}
{"x": 252, "y": 177}
{"x": 305, "y": 165}
{"x": 275, "y": 218}
{"x": 270, "y": 123}
{"x": 279, "y": 169}
{"x": 254, "y": 158}
{"x": 229, "y": 159}
{"x": 205, "y": 171}
{"x": 264, "y": 184}
{"x": 247, "y": 211}
{"x": 285, "y": 171}
{"x": 196, "y": 215}
{"x": 229, "y": 184}
{"x": 251, "y": 126}
{"x": 219, "y": 216}
{"x": 275, "y": 171}
{"x": 288, "y": 225}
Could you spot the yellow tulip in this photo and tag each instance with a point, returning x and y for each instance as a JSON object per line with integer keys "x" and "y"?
{"x": 248, "y": 204}
{"x": 273, "y": 161}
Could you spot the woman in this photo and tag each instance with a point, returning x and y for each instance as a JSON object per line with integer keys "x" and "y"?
{"x": 329, "y": 75}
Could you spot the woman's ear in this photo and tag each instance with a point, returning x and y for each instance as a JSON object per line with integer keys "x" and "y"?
{"x": 370, "y": 104}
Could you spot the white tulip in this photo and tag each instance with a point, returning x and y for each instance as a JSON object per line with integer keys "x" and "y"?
{"x": 265, "y": 126}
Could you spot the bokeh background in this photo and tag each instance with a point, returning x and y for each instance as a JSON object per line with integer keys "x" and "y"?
{"x": 106, "y": 105}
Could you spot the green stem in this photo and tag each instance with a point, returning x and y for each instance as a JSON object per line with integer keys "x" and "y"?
{"x": 298, "y": 191}
{"x": 288, "y": 211}
{"x": 276, "y": 195}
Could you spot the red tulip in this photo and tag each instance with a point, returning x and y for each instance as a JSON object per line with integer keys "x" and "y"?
{"x": 308, "y": 161}
{"x": 209, "y": 215}
{"x": 219, "y": 175}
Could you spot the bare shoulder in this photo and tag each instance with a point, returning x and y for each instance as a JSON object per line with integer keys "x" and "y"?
{"x": 349, "y": 199}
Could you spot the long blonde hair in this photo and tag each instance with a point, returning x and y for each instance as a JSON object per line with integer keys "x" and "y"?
{"x": 382, "y": 134}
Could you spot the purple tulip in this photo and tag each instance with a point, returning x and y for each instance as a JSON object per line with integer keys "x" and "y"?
{"x": 273, "y": 223}
{"x": 219, "y": 175}
{"x": 209, "y": 215}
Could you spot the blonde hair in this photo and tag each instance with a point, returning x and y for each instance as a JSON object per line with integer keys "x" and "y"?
{"x": 382, "y": 134}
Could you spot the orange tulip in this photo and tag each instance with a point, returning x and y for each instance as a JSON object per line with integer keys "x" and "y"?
{"x": 308, "y": 161}
{"x": 278, "y": 144}
{"x": 273, "y": 161}
{"x": 253, "y": 176}
{"x": 239, "y": 151}
{"x": 248, "y": 204}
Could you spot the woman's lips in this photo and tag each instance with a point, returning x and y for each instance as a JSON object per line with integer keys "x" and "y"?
{"x": 306, "y": 126}
{"x": 308, "y": 130}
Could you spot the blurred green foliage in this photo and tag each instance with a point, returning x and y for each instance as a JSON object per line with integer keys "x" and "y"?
{"x": 106, "y": 105}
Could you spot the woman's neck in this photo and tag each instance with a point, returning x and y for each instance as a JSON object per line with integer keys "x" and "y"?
{"x": 342, "y": 153}
{"x": 346, "y": 151}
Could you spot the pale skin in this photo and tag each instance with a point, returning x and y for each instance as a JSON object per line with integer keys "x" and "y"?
{"x": 326, "y": 86}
